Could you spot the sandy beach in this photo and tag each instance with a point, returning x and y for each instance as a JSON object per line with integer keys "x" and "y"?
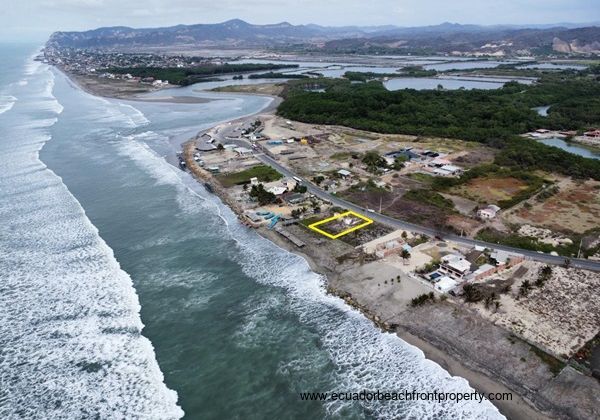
{"x": 119, "y": 89}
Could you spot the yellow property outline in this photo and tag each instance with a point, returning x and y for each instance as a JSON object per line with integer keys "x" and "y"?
{"x": 345, "y": 232}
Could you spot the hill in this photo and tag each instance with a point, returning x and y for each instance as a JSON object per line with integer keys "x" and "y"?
{"x": 446, "y": 37}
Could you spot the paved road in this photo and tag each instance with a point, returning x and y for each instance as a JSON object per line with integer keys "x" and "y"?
{"x": 399, "y": 224}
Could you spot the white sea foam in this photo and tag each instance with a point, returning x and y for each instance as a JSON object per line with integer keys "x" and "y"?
{"x": 70, "y": 330}
{"x": 364, "y": 357}
{"x": 135, "y": 148}
{"x": 137, "y": 117}
{"x": 6, "y": 103}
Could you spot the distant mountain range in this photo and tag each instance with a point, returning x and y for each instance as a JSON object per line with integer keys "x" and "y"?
{"x": 446, "y": 37}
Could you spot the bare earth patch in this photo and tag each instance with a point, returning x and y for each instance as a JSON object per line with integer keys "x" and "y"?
{"x": 491, "y": 190}
{"x": 561, "y": 316}
{"x": 576, "y": 208}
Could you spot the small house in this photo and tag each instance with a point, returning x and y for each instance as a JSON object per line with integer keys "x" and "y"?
{"x": 344, "y": 173}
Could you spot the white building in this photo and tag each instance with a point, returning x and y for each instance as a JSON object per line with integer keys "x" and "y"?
{"x": 277, "y": 190}
{"x": 455, "y": 266}
{"x": 445, "y": 284}
{"x": 344, "y": 173}
{"x": 488, "y": 213}
{"x": 243, "y": 151}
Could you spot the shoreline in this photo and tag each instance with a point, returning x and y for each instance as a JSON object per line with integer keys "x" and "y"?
{"x": 481, "y": 358}
{"x": 121, "y": 93}
{"x": 519, "y": 408}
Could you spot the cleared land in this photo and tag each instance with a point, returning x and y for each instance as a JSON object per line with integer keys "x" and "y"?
{"x": 340, "y": 225}
{"x": 561, "y": 315}
{"x": 491, "y": 190}
{"x": 575, "y": 207}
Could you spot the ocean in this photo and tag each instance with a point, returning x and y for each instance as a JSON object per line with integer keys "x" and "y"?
{"x": 128, "y": 291}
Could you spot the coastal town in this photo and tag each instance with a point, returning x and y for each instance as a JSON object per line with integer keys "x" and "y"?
{"x": 294, "y": 182}
{"x": 428, "y": 236}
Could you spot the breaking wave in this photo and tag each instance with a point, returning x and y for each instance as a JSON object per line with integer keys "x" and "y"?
{"x": 71, "y": 343}
{"x": 6, "y": 103}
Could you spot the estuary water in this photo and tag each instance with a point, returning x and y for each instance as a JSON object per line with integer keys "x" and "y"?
{"x": 128, "y": 291}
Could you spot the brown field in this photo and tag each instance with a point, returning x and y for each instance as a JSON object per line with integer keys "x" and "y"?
{"x": 575, "y": 208}
{"x": 490, "y": 190}
{"x": 392, "y": 204}
{"x": 463, "y": 224}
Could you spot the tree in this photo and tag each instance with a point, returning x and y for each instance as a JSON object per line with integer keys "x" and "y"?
{"x": 524, "y": 288}
{"x": 491, "y": 300}
{"x": 373, "y": 161}
{"x": 299, "y": 188}
{"x": 399, "y": 162}
{"x": 263, "y": 196}
{"x": 472, "y": 293}
{"x": 220, "y": 147}
{"x": 405, "y": 254}
{"x": 404, "y": 235}
{"x": 318, "y": 179}
{"x": 543, "y": 275}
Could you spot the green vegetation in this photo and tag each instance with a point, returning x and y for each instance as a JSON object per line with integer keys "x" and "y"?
{"x": 273, "y": 75}
{"x": 430, "y": 198}
{"x": 429, "y": 267}
{"x": 189, "y": 75}
{"x": 263, "y": 196}
{"x": 423, "y": 299}
{"x": 360, "y": 76}
{"x": 340, "y": 156}
{"x": 555, "y": 365}
{"x": 493, "y": 117}
{"x": 373, "y": 161}
{"x": 424, "y": 178}
{"x": 417, "y": 71}
{"x": 547, "y": 193}
{"x": 524, "y": 242}
{"x": 264, "y": 173}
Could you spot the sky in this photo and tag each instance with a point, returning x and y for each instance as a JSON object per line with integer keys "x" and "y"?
{"x": 36, "y": 19}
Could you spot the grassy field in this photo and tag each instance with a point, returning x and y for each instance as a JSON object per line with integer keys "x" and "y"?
{"x": 262, "y": 172}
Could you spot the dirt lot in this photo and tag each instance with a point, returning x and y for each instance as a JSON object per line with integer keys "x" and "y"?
{"x": 393, "y": 205}
{"x": 561, "y": 316}
{"x": 491, "y": 190}
{"x": 576, "y": 208}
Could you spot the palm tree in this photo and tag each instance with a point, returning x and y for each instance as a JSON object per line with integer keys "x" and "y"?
{"x": 547, "y": 271}
{"x": 405, "y": 254}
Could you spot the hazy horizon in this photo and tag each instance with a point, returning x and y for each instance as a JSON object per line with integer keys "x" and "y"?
{"x": 37, "y": 19}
